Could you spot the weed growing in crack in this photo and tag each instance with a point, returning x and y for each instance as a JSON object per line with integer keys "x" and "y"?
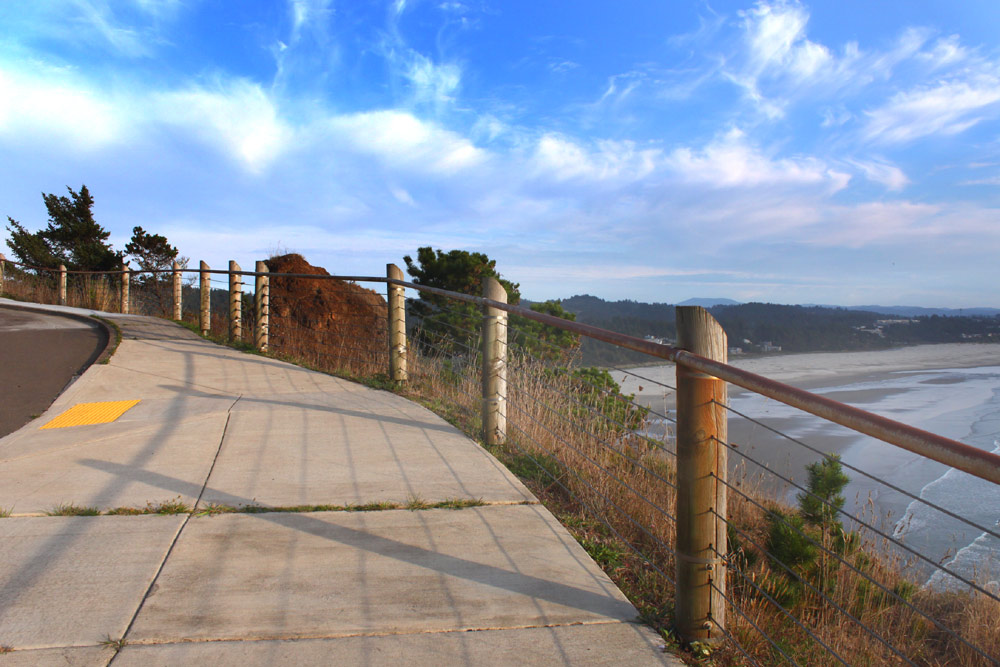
{"x": 168, "y": 507}
{"x": 458, "y": 503}
{"x": 116, "y": 644}
{"x": 69, "y": 509}
{"x": 212, "y": 509}
{"x": 417, "y": 503}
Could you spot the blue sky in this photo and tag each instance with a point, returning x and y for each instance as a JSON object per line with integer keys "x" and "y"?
{"x": 824, "y": 152}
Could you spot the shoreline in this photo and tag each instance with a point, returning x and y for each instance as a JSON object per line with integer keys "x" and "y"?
{"x": 875, "y": 381}
{"x": 815, "y": 370}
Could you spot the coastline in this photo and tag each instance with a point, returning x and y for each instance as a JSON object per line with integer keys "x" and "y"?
{"x": 813, "y": 370}
{"x": 909, "y": 384}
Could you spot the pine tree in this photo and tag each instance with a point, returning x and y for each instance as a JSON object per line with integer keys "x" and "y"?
{"x": 823, "y": 502}
{"x": 451, "y": 326}
{"x": 152, "y": 252}
{"x": 72, "y": 236}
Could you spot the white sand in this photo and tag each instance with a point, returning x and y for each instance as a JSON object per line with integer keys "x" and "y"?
{"x": 827, "y": 369}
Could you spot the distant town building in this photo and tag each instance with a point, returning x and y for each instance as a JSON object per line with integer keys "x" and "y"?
{"x": 875, "y": 331}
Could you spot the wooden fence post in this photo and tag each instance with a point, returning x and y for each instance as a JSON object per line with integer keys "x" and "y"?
{"x": 206, "y": 298}
{"x": 397, "y": 325}
{"x": 701, "y": 499}
{"x": 126, "y": 276}
{"x": 494, "y": 365}
{"x": 178, "y": 309}
{"x": 261, "y": 299}
{"x": 235, "y": 301}
{"x": 62, "y": 284}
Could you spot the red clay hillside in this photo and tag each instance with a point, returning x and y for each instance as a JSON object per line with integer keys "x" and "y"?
{"x": 337, "y": 324}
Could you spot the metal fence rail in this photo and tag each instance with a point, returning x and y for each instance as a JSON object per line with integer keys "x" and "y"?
{"x": 694, "y": 547}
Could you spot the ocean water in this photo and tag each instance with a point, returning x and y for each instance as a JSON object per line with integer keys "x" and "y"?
{"x": 962, "y": 404}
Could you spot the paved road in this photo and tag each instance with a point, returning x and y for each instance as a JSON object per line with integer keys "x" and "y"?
{"x": 39, "y": 354}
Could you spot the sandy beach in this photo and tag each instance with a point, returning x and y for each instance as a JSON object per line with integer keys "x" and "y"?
{"x": 826, "y": 369}
{"x": 908, "y": 384}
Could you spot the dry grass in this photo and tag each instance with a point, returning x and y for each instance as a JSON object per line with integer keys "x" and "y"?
{"x": 96, "y": 292}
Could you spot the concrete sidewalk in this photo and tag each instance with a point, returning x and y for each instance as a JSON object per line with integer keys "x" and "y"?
{"x": 497, "y": 583}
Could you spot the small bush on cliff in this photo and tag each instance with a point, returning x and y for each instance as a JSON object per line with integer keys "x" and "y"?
{"x": 802, "y": 542}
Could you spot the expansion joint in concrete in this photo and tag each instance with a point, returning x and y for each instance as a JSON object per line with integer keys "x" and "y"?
{"x": 375, "y": 635}
{"x": 180, "y": 530}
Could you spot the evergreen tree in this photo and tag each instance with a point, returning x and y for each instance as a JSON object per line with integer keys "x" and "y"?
{"x": 802, "y": 541}
{"x": 72, "y": 236}
{"x": 544, "y": 341}
{"x": 824, "y": 501}
{"x": 452, "y": 327}
{"x": 448, "y": 326}
{"x": 152, "y": 252}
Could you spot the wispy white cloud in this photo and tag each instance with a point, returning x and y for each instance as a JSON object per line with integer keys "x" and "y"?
{"x": 624, "y": 271}
{"x": 237, "y": 115}
{"x": 434, "y": 83}
{"x": 132, "y": 28}
{"x": 835, "y": 117}
{"x": 878, "y": 222}
{"x": 732, "y": 161}
{"x": 777, "y": 41}
{"x": 902, "y": 223}
{"x": 562, "y": 66}
{"x": 402, "y": 196}
{"x": 777, "y": 49}
{"x": 945, "y": 52}
{"x": 563, "y": 159}
{"x": 98, "y": 17}
{"x": 428, "y": 81}
{"x": 946, "y": 108}
{"x": 312, "y": 15}
{"x": 777, "y": 65}
{"x": 880, "y": 171}
{"x": 995, "y": 180}
{"x": 400, "y": 139}
{"x": 880, "y": 65}
{"x": 58, "y": 107}
{"x": 621, "y": 86}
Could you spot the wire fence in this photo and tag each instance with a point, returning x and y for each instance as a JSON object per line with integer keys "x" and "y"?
{"x": 805, "y": 580}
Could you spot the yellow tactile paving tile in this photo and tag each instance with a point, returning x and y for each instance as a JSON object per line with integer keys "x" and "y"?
{"x": 84, "y": 414}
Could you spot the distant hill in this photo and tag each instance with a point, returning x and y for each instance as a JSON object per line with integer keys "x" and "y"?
{"x": 708, "y": 303}
{"x": 627, "y": 317}
{"x": 768, "y": 327}
{"x": 589, "y": 307}
{"x": 917, "y": 311}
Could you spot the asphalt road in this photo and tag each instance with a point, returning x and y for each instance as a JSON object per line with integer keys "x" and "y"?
{"x": 39, "y": 354}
